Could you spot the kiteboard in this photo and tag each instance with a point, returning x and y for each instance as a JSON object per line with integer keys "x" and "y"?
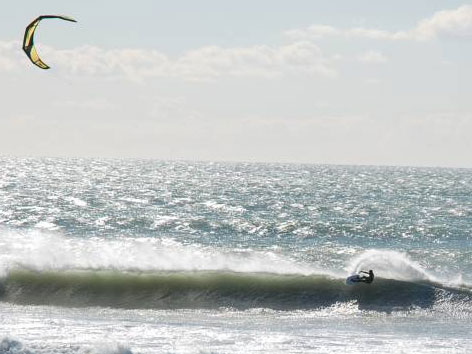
{"x": 353, "y": 279}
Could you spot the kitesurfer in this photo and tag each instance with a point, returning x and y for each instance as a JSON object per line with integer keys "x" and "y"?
{"x": 369, "y": 278}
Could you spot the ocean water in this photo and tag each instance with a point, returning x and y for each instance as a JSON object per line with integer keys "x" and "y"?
{"x": 140, "y": 256}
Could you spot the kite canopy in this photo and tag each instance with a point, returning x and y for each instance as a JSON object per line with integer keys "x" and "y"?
{"x": 28, "y": 40}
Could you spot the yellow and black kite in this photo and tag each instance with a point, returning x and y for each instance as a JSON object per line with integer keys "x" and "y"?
{"x": 28, "y": 40}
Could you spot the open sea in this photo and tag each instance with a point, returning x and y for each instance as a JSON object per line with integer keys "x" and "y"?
{"x": 142, "y": 256}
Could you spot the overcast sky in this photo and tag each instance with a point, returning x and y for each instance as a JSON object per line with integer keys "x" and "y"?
{"x": 340, "y": 82}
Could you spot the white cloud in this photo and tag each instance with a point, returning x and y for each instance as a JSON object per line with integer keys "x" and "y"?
{"x": 450, "y": 23}
{"x": 206, "y": 63}
{"x": 10, "y": 55}
{"x": 447, "y": 23}
{"x": 372, "y": 57}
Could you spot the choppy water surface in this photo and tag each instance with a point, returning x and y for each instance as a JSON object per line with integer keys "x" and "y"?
{"x": 119, "y": 256}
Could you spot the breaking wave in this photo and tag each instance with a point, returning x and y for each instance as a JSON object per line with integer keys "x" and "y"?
{"x": 214, "y": 289}
{"x": 50, "y": 269}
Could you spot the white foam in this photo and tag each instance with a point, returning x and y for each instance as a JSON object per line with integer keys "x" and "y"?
{"x": 211, "y": 204}
{"x": 46, "y": 225}
{"x": 135, "y": 200}
{"x": 9, "y": 345}
{"x": 76, "y": 201}
{"x": 106, "y": 348}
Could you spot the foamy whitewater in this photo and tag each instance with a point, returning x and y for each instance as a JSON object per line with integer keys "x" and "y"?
{"x": 131, "y": 256}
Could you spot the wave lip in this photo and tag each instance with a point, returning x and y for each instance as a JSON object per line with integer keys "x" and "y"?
{"x": 55, "y": 252}
{"x": 215, "y": 289}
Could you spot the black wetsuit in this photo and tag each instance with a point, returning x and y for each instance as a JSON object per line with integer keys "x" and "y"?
{"x": 369, "y": 279}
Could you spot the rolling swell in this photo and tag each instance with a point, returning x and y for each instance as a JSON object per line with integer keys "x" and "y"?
{"x": 203, "y": 289}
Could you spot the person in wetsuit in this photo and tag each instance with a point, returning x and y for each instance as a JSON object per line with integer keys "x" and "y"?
{"x": 367, "y": 278}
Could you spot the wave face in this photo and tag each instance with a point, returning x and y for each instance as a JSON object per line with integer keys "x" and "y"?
{"x": 215, "y": 289}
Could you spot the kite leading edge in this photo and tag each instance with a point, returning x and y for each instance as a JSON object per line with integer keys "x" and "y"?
{"x": 28, "y": 40}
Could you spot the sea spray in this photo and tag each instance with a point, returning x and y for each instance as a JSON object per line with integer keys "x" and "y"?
{"x": 389, "y": 264}
{"x": 40, "y": 250}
